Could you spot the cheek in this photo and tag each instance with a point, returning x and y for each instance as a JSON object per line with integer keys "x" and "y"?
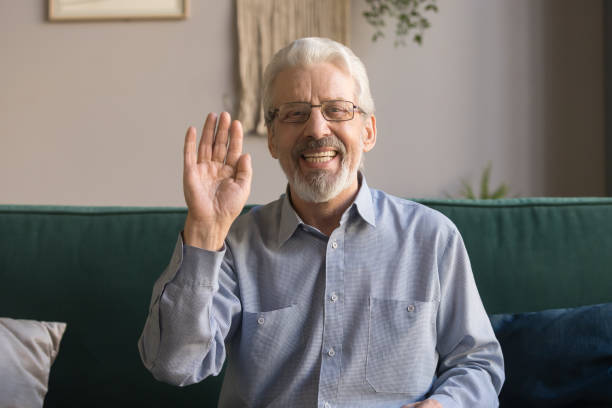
{"x": 283, "y": 152}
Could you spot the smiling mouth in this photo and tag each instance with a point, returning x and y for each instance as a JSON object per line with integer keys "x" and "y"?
{"x": 320, "y": 157}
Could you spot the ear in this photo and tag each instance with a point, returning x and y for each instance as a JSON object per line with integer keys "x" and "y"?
{"x": 272, "y": 147}
{"x": 369, "y": 138}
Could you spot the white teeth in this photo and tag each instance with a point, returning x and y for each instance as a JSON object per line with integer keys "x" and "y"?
{"x": 320, "y": 157}
{"x": 329, "y": 153}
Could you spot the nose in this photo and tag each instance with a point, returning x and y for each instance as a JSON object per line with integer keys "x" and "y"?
{"x": 316, "y": 126}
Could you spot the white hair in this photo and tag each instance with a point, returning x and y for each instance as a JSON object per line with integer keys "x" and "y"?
{"x": 314, "y": 50}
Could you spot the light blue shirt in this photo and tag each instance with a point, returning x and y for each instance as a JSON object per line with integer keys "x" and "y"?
{"x": 382, "y": 313}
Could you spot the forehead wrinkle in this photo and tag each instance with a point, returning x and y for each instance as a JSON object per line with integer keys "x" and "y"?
{"x": 302, "y": 91}
{"x": 335, "y": 84}
{"x": 292, "y": 86}
{"x": 307, "y": 84}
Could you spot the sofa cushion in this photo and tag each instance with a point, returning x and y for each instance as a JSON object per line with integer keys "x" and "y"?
{"x": 27, "y": 350}
{"x": 557, "y": 357}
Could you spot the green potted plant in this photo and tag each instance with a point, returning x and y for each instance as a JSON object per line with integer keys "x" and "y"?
{"x": 410, "y": 17}
{"x": 485, "y": 192}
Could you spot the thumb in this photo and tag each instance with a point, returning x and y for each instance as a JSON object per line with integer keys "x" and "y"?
{"x": 244, "y": 172}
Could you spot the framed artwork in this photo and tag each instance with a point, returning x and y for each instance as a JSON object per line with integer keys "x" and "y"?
{"x": 75, "y": 10}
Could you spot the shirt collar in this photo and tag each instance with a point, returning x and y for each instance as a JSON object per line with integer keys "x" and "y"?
{"x": 290, "y": 220}
{"x": 364, "y": 203}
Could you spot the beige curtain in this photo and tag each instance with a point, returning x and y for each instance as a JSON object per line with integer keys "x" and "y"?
{"x": 264, "y": 27}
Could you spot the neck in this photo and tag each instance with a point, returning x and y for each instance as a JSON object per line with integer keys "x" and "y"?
{"x": 325, "y": 216}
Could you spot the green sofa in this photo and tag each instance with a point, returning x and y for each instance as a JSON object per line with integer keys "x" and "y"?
{"x": 94, "y": 268}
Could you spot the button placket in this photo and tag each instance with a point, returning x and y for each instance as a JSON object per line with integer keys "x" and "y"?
{"x": 332, "y": 325}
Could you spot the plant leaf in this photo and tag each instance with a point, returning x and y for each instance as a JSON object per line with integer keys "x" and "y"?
{"x": 467, "y": 191}
{"x": 407, "y": 15}
{"x": 500, "y": 192}
{"x": 484, "y": 182}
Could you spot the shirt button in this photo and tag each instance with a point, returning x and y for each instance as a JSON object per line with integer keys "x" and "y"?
{"x": 331, "y": 352}
{"x": 261, "y": 320}
{"x": 334, "y": 297}
{"x": 410, "y": 308}
{"x": 334, "y": 245}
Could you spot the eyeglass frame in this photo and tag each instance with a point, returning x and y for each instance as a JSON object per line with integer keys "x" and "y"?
{"x": 273, "y": 113}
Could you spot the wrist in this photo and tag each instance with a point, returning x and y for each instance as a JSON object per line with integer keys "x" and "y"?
{"x": 203, "y": 235}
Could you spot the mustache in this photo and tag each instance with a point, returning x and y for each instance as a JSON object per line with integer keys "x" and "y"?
{"x": 310, "y": 143}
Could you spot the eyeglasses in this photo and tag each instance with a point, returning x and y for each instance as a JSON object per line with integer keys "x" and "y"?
{"x": 299, "y": 112}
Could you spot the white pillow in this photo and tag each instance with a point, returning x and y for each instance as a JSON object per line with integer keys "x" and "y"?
{"x": 27, "y": 350}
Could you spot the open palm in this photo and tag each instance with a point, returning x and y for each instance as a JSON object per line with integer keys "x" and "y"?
{"x": 216, "y": 181}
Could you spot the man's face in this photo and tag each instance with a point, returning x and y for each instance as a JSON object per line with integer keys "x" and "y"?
{"x": 320, "y": 158}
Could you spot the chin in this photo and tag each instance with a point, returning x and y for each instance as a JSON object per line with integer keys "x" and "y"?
{"x": 321, "y": 187}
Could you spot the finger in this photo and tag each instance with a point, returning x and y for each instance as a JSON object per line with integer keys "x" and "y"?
{"x": 220, "y": 146}
{"x": 244, "y": 172}
{"x": 235, "y": 144}
{"x": 208, "y": 137}
{"x": 189, "y": 150}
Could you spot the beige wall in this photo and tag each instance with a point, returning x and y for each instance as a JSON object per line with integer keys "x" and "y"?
{"x": 95, "y": 113}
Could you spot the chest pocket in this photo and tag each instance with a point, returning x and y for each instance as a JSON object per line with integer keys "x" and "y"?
{"x": 270, "y": 337}
{"x": 401, "y": 355}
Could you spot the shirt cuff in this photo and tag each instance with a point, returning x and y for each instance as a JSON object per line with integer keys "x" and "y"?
{"x": 200, "y": 267}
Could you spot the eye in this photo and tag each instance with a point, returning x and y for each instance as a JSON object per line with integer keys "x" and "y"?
{"x": 294, "y": 112}
{"x": 338, "y": 110}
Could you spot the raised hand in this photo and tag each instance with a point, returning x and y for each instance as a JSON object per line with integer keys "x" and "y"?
{"x": 216, "y": 181}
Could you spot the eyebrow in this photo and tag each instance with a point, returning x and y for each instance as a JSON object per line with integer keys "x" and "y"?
{"x": 321, "y": 100}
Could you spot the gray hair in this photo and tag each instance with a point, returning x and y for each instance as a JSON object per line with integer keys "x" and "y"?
{"x": 314, "y": 50}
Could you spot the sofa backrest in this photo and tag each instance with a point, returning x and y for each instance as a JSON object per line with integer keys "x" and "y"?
{"x": 94, "y": 268}
{"x": 536, "y": 253}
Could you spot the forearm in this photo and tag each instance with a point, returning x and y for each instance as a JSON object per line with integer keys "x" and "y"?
{"x": 466, "y": 386}
{"x": 471, "y": 368}
{"x": 183, "y": 338}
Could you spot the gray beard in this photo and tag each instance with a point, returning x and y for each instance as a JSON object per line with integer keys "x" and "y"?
{"x": 320, "y": 187}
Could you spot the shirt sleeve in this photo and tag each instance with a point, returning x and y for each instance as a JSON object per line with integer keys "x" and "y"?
{"x": 193, "y": 308}
{"x": 471, "y": 366}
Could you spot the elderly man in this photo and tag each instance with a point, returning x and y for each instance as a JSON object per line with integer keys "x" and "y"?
{"x": 334, "y": 295}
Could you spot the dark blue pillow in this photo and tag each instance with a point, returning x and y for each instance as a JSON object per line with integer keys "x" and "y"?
{"x": 557, "y": 358}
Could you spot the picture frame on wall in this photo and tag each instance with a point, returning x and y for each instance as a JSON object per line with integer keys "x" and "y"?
{"x": 82, "y": 10}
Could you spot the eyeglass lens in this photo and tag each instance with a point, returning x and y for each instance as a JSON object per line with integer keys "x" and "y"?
{"x": 297, "y": 112}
